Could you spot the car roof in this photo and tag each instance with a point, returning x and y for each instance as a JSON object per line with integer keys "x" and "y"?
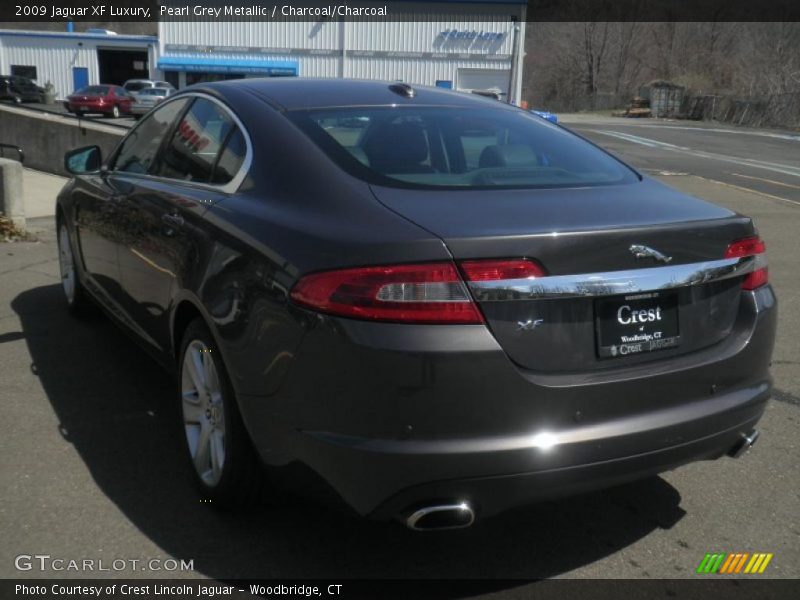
{"x": 291, "y": 93}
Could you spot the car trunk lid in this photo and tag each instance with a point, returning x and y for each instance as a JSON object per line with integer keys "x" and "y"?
{"x": 591, "y": 231}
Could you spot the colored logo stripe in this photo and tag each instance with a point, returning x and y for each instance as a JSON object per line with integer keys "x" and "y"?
{"x": 730, "y": 563}
{"x": 711, "y": 562}
{"x": 758, "y": 563}
{"x": 734, "y": 563}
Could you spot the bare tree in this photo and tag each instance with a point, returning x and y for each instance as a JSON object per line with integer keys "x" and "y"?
{"x": 569, "y": 65}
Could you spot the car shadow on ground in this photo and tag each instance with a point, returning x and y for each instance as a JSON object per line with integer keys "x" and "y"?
{"x": 113, "y": 404}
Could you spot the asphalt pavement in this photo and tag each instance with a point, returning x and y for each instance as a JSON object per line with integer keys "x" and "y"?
{"x": 90, "y": 465}
{"x": 761, "y": 160}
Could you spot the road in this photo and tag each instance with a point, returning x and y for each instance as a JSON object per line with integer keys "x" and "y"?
{"x": 90, "y": 465}
{"x": 764, "y": 161}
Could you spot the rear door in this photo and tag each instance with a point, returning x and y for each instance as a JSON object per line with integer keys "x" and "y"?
{"x": 196, "y": 168}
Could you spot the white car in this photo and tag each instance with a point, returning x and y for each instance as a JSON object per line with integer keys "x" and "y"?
{"x": 147, "y": 98}
{"x": 134, "y": 86}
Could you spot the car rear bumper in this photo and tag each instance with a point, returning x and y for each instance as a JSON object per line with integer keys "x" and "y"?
{"x": 490, "y": 495}
{"x": 86, "y": 107}
{"x": 398, "y": 416}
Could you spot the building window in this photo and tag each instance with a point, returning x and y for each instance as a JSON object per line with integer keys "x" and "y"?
{"x": 26, "y": 71}
{"x": 206, "y": 77}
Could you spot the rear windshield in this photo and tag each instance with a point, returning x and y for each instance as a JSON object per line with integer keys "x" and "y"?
{"x": 446, "y": 147}
{"x": 94, "y": 90}
{"x": 153, "y": 92}
{"x": 135, "y": 86}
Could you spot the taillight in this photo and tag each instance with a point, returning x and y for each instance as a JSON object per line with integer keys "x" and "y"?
{"x": 494, "y": 270}
{"x": 751, "y": 246}
{"x": 422, "y": 293}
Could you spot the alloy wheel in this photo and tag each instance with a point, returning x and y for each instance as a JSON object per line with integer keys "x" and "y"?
{"x": 203, "y": 412}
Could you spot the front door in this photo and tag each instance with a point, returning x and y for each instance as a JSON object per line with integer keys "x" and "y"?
{"x": 104, "y": 232}
{"x": 98, "y": 233}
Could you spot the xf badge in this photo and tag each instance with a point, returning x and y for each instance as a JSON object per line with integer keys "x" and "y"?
{"x": 529, "y": 325}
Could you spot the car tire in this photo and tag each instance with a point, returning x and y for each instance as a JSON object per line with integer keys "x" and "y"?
{"x": 17, "y": 100}
{"x": 223, "y": 462}
{"x": 78, "y": 302}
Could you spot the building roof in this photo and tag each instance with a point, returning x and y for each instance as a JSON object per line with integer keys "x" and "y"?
{"x": 291, "y": 93}
{"x": 79, "y": 35}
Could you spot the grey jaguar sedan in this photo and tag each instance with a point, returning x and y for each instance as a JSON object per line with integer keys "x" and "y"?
{"x": 440, "y": 305}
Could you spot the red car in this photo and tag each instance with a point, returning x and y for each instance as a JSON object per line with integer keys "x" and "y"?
{"x": 110, "y": 100}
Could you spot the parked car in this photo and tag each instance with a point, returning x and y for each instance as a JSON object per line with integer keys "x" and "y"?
{"x": 442, "y": 307}
{"x": 20, "y": 89}
{"x": 134, "y": 86}
{"x": 494, "y": 93}
{"x": 147, "y": 98}
{"x": 109, "y": 100}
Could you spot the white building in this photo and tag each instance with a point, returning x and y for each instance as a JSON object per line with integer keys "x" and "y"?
{"x": 463, "y": 45}
{"x": 71, "y": 61}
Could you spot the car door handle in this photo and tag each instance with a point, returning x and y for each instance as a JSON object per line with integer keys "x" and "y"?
{"x": 174, "y": 221}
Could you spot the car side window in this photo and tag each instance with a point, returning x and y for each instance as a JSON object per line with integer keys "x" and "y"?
{"x": 231, "y": 158}
{"x": 191, "y": 153}
{"x": 139, "y": 149}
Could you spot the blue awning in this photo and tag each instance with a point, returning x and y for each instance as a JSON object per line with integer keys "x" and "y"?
{"x": 273, "y": 68}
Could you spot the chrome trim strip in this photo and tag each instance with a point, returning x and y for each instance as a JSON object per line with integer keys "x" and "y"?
{"x": 614, "y": 282}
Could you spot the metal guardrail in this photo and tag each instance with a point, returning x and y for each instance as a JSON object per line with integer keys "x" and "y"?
{"x": 11, "y": 148}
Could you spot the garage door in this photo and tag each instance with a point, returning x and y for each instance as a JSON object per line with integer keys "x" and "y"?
{"x": 483, "y": 79}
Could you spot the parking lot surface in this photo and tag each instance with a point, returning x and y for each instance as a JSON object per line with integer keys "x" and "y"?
{"x": 91, "y": 463}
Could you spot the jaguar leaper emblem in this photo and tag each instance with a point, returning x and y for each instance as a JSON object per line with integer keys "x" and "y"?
{"x": 640, "y": 251}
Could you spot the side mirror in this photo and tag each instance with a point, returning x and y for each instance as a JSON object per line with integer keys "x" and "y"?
{"x": 83, "y": 160}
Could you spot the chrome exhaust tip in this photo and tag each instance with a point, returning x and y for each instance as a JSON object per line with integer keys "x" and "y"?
{"x": 441, "y": 517}
{"x": 743, "y": 447}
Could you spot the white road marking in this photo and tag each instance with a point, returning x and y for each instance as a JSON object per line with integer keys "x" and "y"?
{"x": 757, "y": 164}
{"x": 750, "y": 190}
{"x": 769, "y": 134}
{"x": 780, "y": 136}
{"x": 628, "y": 138}
{"x": 772, "y": 181}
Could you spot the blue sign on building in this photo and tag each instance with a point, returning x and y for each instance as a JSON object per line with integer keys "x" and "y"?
{"x": 192, "y": 64}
